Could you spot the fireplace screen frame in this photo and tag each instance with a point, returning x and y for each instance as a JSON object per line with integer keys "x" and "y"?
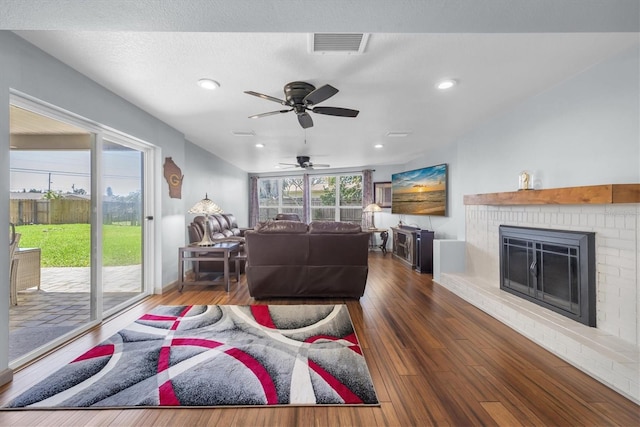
{"x": 527, "y": 253}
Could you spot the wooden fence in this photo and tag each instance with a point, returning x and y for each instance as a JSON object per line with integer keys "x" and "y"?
{"x": 70, "y": 211}
{"x": 317, "y": 214}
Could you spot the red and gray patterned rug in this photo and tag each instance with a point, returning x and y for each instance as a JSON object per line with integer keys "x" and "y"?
{"x": 209, "y": 355}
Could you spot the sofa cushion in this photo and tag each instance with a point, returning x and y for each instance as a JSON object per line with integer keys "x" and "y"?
{"x": 233, "y": 224}
{"x": 330, "y": 249}
{"x": 333, "y": 227}
{"x": 289, "y": 227}
{"x": 276, "y": 249}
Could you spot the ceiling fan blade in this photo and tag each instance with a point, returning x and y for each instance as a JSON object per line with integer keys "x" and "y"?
{"x": 321, "y": 94}
{"x": 270, "y": 113}
{"x": 305, "y": 120}
{"x": 336, "y": 111}
{"x": 320, "y": 165}
{"x": 267, "y": 97}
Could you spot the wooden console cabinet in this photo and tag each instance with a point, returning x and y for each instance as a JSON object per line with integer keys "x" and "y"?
{"x": 414, "y": 246}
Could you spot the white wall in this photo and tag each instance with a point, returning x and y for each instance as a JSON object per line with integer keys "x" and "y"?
{"x": 226, "y": 185}
{"x": 584, "y": 131}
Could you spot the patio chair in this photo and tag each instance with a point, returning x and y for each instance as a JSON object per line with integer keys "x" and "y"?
{"x": 13, "y": 268}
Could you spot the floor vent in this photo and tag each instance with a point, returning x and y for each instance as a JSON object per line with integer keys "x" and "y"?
{"x": 342, "y": 43}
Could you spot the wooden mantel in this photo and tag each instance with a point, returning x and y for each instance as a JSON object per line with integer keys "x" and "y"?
{"x": 593, "y": 194}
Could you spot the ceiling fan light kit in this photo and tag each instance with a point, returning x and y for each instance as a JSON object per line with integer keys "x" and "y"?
{"x": 304, "y": 162}
{"x": 302, "y": 97}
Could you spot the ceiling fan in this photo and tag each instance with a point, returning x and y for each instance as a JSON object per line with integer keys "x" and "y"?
{"x": 304, "y": 162}
{"x": 303, "y": 97}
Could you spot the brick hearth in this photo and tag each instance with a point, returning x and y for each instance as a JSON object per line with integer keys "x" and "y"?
{"x": 610, "y": 352}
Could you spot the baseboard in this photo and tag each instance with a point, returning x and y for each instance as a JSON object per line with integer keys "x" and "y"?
{"x": 6, "y": 376}
{"x": 169, "y": 287}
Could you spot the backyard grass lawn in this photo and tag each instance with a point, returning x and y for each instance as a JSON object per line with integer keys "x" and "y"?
{"x": 68, "y": 245}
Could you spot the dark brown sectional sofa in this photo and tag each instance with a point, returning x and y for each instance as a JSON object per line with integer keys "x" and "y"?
{"x": 291, "y": 259}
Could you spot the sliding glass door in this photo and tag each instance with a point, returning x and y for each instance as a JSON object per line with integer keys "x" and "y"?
{"x": 79, "y": 202}
{"x": 122, "y": 223}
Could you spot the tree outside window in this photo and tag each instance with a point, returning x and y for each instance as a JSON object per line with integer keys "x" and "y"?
{"x": 333, "y": 197}
{"x": 279, "y": 195}
{"x": 325, "y": 192}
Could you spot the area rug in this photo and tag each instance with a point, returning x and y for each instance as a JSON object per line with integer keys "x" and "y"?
{"x": 217, "y": 355}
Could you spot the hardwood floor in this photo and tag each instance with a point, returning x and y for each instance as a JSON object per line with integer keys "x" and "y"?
{"x": 434, "y": 358}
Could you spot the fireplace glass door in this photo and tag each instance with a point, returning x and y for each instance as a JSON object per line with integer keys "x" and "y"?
{"x": 558, "y": 273}
{"x": 543, "y": 271}
{"x": 552, "y": 268}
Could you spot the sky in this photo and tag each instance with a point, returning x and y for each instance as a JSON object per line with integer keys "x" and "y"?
{"x": 432, "y": 178}
{"x": 63, "y": 170}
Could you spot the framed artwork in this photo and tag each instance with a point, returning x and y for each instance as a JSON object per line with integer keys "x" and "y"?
{"x": 420, "y": 192}
{"x": 174, "y": 177}
{"x": 382, "y": 194}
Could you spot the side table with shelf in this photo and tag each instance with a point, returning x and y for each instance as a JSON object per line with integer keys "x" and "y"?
{"x": 223, "y": 251}
{"x": 372, "y": 238}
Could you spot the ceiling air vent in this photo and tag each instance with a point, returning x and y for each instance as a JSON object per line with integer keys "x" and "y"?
{"x": 344, "y": 43}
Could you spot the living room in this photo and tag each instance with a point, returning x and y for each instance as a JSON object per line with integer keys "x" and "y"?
{"x": 582, "y": 131}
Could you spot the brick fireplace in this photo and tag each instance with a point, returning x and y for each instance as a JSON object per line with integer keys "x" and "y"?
{"x": 610, "y": 352}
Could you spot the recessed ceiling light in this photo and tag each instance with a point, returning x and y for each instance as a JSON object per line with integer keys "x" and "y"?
{"x": 208, "y": 84}
{"x": 446, "y": 84}
{"x": 243, "y": 133}
{"x": 259, "y": 145}
{"x": 378, "y": 146}
{"x": 398, "y": 134}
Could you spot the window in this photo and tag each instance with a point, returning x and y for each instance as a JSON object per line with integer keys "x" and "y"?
{"x": 280, "y": 195}
{"x": 333, "y": 197}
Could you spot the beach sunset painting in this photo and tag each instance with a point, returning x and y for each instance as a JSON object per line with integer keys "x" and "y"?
{"x": 420, "y": 192}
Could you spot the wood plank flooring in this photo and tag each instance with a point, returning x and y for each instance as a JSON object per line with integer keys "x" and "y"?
{"x": 434, "y": 358}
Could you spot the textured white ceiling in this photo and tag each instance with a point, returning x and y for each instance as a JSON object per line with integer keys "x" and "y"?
{"x": 392, "y": 83}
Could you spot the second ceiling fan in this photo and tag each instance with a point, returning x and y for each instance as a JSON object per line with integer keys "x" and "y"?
{"x": 302, "y": 97}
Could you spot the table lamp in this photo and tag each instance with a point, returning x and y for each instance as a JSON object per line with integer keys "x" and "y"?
{"x": 372, "y": 208}
{"x": 205, "y": 207}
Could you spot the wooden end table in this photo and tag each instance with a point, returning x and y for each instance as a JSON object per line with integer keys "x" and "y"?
{"x": 217, "y": 252}
{"x": 372, "y": 239}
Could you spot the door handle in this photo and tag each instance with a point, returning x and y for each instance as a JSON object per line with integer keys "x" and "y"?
{"x": 150, "y": 217}
{"x": 533, "y": 268}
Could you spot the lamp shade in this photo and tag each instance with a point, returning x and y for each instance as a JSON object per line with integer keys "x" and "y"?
{"x": 372, "y": 208}
{"x": 205, "y": 207}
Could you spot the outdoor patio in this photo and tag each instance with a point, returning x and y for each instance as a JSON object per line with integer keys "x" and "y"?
{"x": 62, "y": 304}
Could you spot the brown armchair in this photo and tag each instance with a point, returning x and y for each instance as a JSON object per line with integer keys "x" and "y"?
{"x": 288, "y": 217}
{"x": 222, "y": 228}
